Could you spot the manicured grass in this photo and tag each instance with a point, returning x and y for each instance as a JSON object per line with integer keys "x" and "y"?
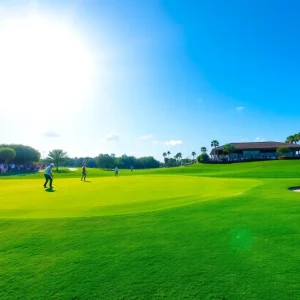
{"x": 17, "y": 173}
{"x": 109, "y": 196}
{"x": 199, "y": 232}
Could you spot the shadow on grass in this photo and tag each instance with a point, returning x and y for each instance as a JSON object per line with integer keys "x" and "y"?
{"x": 62, "y": 171}
{"x": 87, "y": 181}
{"x": 49, "y": 190}
{"x": 294, "y": 188}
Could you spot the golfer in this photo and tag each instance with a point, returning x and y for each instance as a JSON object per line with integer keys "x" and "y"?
{"x": 48, "y": 175}
{"x": 116, "y": 171}
{"x": 83, "y": 172}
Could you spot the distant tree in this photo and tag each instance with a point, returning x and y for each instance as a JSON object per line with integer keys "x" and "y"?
{"x": 228, "y": 148}
{"x": 169, "y": 153}
{"x": 179, "y": 155}
{"x": 291, "y": 139}
{"x": 7, "y": 154}
{"x": 57, "y": 156}
{"x": 203, "y": 158}
{"x": 90, "y": 162}
{"x": 297, "y": 139}
{"x": 186, "y": 161}
{"x": 78, "y": 161}
{"x": 172, "y": 162}
{"x": 166, "y": 160}
{"x": 203, "y": 149}
{"x": 113, "y": 155}
{"x": 282, "y": 151}
{"x": 165, "y": 157}
{"x": 214, "y": 144}
{"x": 193, "y": 154}
{"x": 70, "y": 162}
{"x": 147, "y": 162}
{"x": 106, "y": 161}
{"x": 128, "y": 161}
{"x": 24, "y": 154}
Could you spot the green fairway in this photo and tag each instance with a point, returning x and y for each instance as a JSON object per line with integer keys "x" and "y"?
{"x": 198, "y": 232}
{"x": 103, "y": 196}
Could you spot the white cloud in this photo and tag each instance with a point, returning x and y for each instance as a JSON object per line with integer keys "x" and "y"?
{"x": 146, "y": 136}
{"x": 112, "y": 137}
{"x": 155, "y": 142}
{"x": 258, "y": 139}
{"x": 51, "y": 134}
{"x": 173, "y": 142}
{"x": 240, "y": 108}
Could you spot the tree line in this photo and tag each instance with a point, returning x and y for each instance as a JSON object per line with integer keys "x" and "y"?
{"x": 177, "y": 160}
{"x": 22, "y": 154}
{"x": 103, "y": 161}
{"x": 19, "y": 154}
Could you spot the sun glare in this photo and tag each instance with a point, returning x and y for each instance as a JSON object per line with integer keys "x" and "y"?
{"x": 43, "y": 65}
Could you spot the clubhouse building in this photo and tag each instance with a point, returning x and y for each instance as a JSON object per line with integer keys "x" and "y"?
{"x": 252, "y": 150}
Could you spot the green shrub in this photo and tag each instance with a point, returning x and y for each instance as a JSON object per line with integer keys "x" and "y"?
{"x": 7, "y": 154}
{"x": 203, "y": 158}
{"x": 282, "y": 151}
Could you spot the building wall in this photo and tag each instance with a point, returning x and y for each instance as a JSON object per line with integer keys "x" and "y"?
{"x": 247, "y": 154}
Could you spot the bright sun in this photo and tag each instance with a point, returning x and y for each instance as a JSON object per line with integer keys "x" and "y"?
{"x": 43, "y": 64}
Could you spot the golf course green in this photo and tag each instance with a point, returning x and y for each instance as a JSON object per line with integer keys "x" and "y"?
{"x": 199, "y": 232}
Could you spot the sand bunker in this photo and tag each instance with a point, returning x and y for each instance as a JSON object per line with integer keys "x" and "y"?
{"x": 295, "y": 189}
{"x": 72, "y": 169}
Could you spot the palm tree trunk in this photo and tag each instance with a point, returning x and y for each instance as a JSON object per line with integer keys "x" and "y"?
{"x": 215, "y": 152}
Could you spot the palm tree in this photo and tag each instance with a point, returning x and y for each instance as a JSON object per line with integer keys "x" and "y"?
{"x": 203, "y": 149}
{"x": 228, "y": 148}
{"x": 168, "y": 153}
{"x": 290, "y": 139}
{"x": 193, "y": 154}
{"x": 297, "y": 139}
{"x": 178, "y": 156}
{"x": 293, "y": 139}
{"x": 215, "y": 144}
{"x": 164, "y": 155}
{"x": 57, "y": 156}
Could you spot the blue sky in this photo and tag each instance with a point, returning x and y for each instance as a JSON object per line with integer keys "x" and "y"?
{"x": 144, "y": 77}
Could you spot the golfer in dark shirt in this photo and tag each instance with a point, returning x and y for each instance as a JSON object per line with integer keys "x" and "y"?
{"x": 83, "y": 172}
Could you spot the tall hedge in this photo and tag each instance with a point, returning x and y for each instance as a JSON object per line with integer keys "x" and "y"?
{"x": 7, "y": 154}
{"x": 24, "y": 154}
